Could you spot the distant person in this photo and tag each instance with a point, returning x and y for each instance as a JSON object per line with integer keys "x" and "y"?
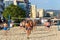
{"x": 43, "y": 20}
{"x": 47, "y": 25}
{"x": 49, "y": 20}
{"x": 11, "y": 25}
{"x": 5, "y": 28}
{"x": 1, "y": 26}
{"x": 58, "y": 25}
{"x": 21, "y": 25}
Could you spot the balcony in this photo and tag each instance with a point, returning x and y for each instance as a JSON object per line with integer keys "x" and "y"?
{"x": 21, "y": 1}
{"x": 1, "y": 3}
{"x": 1, "y": 10}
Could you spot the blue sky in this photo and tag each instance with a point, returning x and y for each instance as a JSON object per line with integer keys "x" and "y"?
{"x": 46, "y": 4}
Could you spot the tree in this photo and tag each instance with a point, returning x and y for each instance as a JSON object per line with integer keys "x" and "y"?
{"x": 14, "y": 11}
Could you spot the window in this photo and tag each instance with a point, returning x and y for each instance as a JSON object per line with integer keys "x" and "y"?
{"x": 7, "y": 3}
{"x": 22, "y": 5}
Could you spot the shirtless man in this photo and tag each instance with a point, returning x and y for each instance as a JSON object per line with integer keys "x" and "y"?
{"x": 22, "y": 24}
{"x": 47, "y": 24}
{"x": 31, "y": 24}
{"x": 28, "y": 28}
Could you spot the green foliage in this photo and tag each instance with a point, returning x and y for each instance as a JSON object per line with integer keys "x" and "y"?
{"x": 14, "y": 11}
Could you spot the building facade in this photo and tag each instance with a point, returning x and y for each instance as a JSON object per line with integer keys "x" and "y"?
{"x": 33, "y": 11}
{"x": 8, "y": 2}
{"x": 1, "y": 7}
{"x": 24, "y": 4}
{"x": 41, "y": 12}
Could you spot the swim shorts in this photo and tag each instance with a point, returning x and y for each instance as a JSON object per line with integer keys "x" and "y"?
{"x": 5, "y": 28}
{"x": 28, "y": 28}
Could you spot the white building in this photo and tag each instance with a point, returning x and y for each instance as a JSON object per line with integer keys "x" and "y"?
{"x": 8, "y": 2}
{"x": 40, "y": 12}
{"x": 20, "y": 1}
{"x": 33, "y": 11}
{"x": 15, "y": 1}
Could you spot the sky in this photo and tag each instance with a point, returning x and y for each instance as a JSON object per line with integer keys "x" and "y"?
{"x": 46, "y": 4}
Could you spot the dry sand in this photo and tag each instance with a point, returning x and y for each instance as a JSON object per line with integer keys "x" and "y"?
{"x": 38, "y": 34}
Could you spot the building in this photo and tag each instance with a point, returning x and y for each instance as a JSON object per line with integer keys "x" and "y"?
{"x": 1, "y": 7}
{"x": 15, "y": 2}
{"x": 41, "y": 13}
{"x": 8, "y": 2}
{"x": 33, "y": 11}
{"x": 24, "y": 4}
{"x": 20, "y": 1}
{"x": 56, "y": 12}
{"x": 50, "y": 13}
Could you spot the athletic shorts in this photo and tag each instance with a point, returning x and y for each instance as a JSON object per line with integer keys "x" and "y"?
{"x": 28, "y": 28}
{"x": 48, "y": 26}
{"x": 5, "y": 28}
